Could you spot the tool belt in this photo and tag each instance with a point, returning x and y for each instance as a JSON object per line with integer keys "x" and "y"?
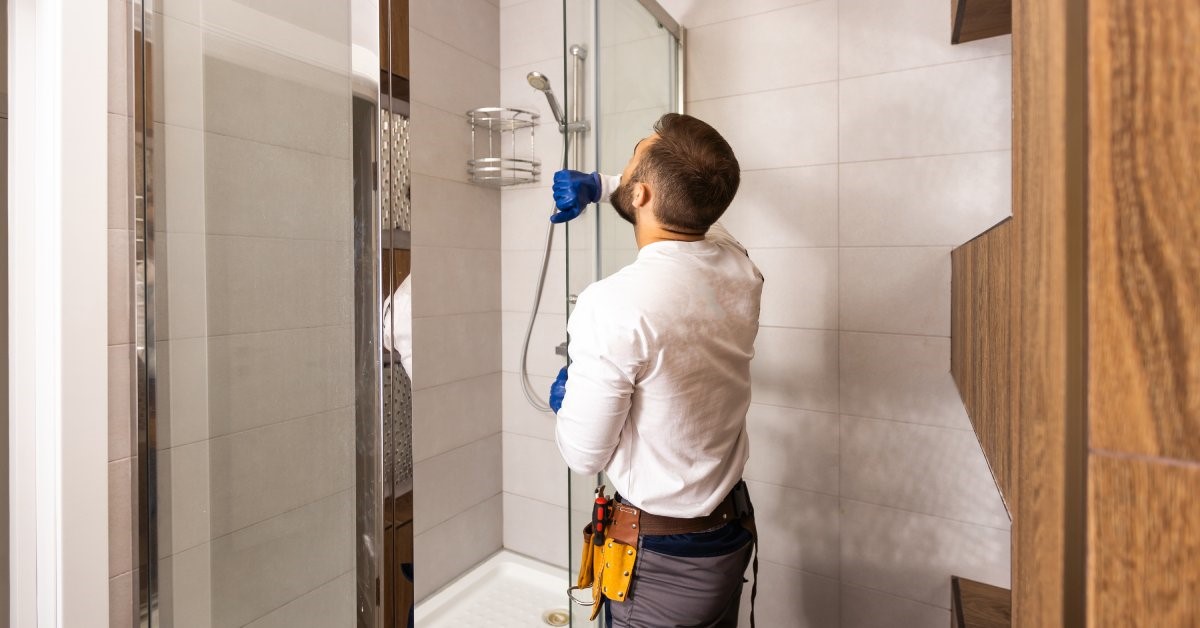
{"x": 610, "y": 542}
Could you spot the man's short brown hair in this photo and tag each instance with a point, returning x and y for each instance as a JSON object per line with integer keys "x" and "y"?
{"x": 694, "y": 172}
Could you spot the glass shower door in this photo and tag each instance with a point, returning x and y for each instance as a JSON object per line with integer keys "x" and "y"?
{"x": 246, "y": 288}
{"x": 635, "y": 61}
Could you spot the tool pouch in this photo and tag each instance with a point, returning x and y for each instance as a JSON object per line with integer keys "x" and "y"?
{"x": 606, "y": 568}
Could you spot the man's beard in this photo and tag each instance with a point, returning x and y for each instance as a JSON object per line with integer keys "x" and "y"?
{"x": 622, "y": 201}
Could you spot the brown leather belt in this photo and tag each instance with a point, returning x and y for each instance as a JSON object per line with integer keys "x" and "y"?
{"x": 628, "y": 521}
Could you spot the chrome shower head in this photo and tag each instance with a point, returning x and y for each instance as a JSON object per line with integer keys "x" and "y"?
{"x": 538, "y": 81}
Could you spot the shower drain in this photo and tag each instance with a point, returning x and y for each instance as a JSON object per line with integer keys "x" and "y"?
{"x": 556, "y": 617}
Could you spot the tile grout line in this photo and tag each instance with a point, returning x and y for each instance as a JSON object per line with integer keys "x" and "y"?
{"x": 926, "y": 514}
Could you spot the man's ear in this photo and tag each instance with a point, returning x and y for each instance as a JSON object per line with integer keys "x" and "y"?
{"x": 641, "y": 194}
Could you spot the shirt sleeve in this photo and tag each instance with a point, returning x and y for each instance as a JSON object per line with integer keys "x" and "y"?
{"x": 398, "y": 337}
{"x": 607, "y": 355}
{"x": 608, "y": 183}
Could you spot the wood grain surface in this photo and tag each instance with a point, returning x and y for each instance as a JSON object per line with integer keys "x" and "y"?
{"x": 1043, "y": 190}
{"x": 980, "y": 605}
{"x": 979, "y": 19}
{"x": 1144, "y": 550}
{"x": 1144, "y": 288}
{"x": 981, "y": 351}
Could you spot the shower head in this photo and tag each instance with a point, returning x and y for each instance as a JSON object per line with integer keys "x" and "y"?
{"x": 538, "y": 81}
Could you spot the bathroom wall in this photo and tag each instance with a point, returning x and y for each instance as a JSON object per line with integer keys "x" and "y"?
{"x": 122, "y": 415}
{"x": 4, "y": 309}
{"x": 870, "y": 147}
{"x": 535, "y": 486}
{"x": 455, "y": 55}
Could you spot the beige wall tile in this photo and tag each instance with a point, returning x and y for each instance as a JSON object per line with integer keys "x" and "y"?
{"x": 536, "y": 529}
{"x": 793, "y": 448}
{"x": 896, "y": 290}
{"x": 454, "y": 546}
{"x": 455, "y": 414}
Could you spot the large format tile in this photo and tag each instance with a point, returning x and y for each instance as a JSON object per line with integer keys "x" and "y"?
{"x": 924, "y": 201}
{"x": 452, "y": 415}
{"x": 536, "y": 529}
{"x": 886, "y": 35}
{"x": 120, "y": 287}
{"x": 451, "y": 348}
{"x": 440, "y": 143}
{"x": 525, "y": 214}
{"x": 120, "y": 183}
{"x": 785, "y": 207}
{"x": 797, "y": 126}
{"x": 258, "y": 474}
{"x": 184, "y": 499}
{"x": 932, "y": 470}
{"x": 263, "y": 567}
{"x": 445, "y": 77}
{"x": 185, "y": 585}
{"x": 548, "y": 331}
{"x": 178, "y": 74}
{"x": 954, "y": 108}
{"x": 865, "y": 608}
{"x": 120, "y": 516}
{"x": 451, "y": 548}
{"x": 454, "y": 214}
{"x": 259, "y": 284}
{"x": 259, "y": 379}
{"x": 799, "y": 528}
{"x": 794, "y": 448}
{"x": 256, "y": 189}
{"x": 121, "y": 417}
{"x": 181, "y": 391}
{"x": 534, "y": 468}
{"x": 789, "y": 597}
{"x": 896, "y": 290}
{"x": 455, "y": 281}
{"x": 906, "y": 378}
{"x": 450, "y": 483}
{"x": 746, "y": 55}
{"x": 469, "y": 25}
{"x": 180, "y": 179}
{"x": 520, "y": 275}
{"x": 328, "y": 605}
{"x": 693, "y": 13}
{"x": 650, "y": 87}
{"x": 912, "y": 555}
{"x": 119, "y": 20}
{"x": 800, "y": 288}
{"x": 519, "y": 416}
{"x": 121, "y": 599}
{"x": 530, "y": 31}
{"x": 181, "y": 290}
{"x": 796, "y": 368}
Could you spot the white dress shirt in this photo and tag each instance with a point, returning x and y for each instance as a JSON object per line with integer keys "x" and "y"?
{"x": 659, "y": 382}
{"x": 398, "y": 337}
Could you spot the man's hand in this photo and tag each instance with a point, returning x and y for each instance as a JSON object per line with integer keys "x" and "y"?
{"x": 558, "y": 389}
{"x": 573, "y": 190}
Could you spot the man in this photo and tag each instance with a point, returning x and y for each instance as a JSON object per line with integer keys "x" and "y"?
{"x": 659, "y": 382}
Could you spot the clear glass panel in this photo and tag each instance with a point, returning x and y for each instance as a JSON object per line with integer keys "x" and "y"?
{"x": 249, "y": 224}
{"x": 630, "y": 81}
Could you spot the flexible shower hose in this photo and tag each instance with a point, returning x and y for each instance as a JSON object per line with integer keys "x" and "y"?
{"x": 531, "y": 394}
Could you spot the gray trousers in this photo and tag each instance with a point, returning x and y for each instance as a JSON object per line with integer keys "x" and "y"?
{"x": 683, "y": 591}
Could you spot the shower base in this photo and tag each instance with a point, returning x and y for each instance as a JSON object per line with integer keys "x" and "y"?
{"x": 506, "y": 590}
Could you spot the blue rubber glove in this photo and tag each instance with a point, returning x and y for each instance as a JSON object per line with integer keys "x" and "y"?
{"x": 558, "y": 389}
{"x": 573, "y": 190}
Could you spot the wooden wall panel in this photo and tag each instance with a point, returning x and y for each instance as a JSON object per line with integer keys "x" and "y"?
{"x": 1144, "y": 222}
{"x": 1144, "y": 550}
{"x": 981, "y": 344}
{"x": 1048, "y": 186}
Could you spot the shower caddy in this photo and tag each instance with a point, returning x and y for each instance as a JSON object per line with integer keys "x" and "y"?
{"x": 502, "y": 146}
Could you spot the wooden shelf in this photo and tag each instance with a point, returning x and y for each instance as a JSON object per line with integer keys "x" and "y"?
{"x": 978, "y": 605}
{"x": 971, "y": 20}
